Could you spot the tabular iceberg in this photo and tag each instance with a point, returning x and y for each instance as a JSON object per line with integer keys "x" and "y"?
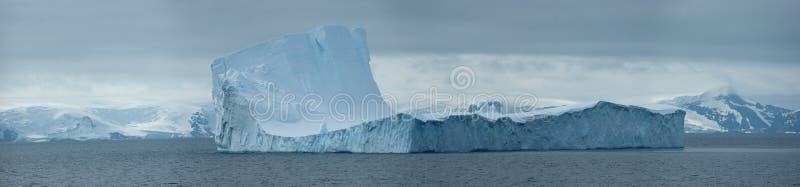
{"x": 603, "y": 125}
{"x": 333, "y": 60}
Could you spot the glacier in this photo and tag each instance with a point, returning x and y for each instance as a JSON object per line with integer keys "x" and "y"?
{"x": 255, "y": 93}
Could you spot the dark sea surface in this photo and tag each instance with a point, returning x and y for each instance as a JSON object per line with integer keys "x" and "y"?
{"x": 713, "y": 159}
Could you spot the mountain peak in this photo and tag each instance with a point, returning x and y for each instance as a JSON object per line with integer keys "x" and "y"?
{"x": 724, "y": 108}
{"x": 721, "y": 91}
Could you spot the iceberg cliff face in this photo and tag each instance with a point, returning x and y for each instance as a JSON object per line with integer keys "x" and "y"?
{"x": 601, "y": 126}
{"x": 291, "y": 85}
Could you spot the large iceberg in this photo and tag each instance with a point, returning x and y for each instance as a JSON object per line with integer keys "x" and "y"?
{"x": 253, "y": 112}
{"x": 291, "y": 85}
{"x": 603, "y": 125}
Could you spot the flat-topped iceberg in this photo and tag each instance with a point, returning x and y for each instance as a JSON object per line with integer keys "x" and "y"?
{"x": 261, "y": 98}
{"x": 602, "y": 125}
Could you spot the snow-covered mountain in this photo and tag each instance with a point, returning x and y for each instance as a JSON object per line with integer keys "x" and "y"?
{"x": 723, "y": 110}
{"x": 40, "y": 123}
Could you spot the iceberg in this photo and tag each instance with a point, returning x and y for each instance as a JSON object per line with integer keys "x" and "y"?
{"x": 253, "y": 115}
{"x": 291, "y": 85}
{"x": 603, "y": 125}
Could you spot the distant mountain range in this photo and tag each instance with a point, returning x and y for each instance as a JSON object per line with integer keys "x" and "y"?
{"x": 723, "y": 110}
{"x": 719, "y": 110}
{"x": 64, "y": 123}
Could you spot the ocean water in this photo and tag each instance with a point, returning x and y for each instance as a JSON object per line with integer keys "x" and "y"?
{"x": 716, "y": 159}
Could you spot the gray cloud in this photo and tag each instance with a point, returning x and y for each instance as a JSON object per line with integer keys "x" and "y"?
{"x": 751, "y": 30}
{"x": 580, "y": 79}
{"x": 54, "y": 49}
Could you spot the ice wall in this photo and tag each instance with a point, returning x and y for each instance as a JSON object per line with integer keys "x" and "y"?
{"x": 601, "y": 126}
{"x": 260, "y": 89}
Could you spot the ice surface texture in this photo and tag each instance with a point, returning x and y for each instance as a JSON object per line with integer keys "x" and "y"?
{"x": 261, "y": 88}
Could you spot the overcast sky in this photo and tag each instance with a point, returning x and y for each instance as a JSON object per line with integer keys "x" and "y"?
{"x": 96, "y": 51}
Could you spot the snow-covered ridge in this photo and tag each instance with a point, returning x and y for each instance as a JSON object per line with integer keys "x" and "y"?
{"x": 603, "y": 125}
{"x": 41, "y": 123}
{"x": 722, "y": 110}
{"x": 523, "y": 116}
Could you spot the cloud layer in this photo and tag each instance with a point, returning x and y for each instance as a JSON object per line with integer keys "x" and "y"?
{"x": 564, "y": 51}
{"x": 738, "y": 29}
{"x": 554, "y": 79}
{"x": 581, "y": 79}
